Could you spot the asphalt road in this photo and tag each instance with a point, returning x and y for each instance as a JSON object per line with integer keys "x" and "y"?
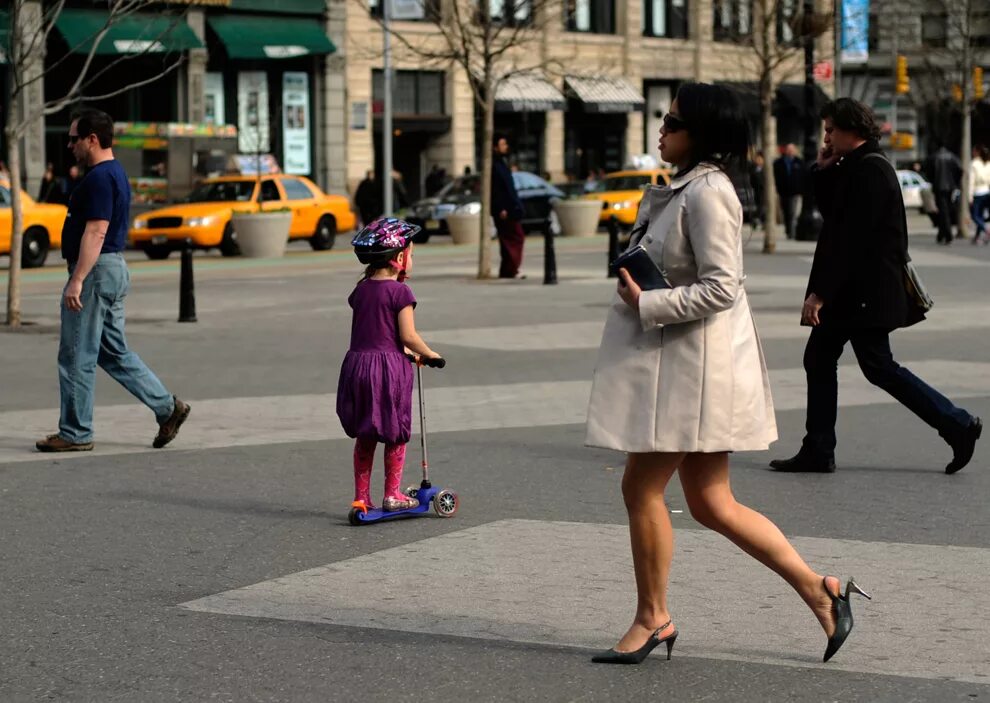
{"x": 223, "y": 567}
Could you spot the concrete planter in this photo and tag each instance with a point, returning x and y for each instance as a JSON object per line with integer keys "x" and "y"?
{"x": 578, "y": 218}
{"x": 464, "y": 228}
{"x": 262, "y": 235}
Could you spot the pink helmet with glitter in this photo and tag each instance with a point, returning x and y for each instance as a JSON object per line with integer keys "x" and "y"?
{"x": 379, "y": 242}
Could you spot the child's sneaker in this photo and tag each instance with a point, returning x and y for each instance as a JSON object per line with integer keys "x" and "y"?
{"x": 393, "y": 503}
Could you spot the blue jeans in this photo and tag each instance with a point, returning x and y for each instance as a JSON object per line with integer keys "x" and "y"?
{"x": 95, "y": 336}
{"x": 872, "y": 348}
{"x": 981, "y": 203}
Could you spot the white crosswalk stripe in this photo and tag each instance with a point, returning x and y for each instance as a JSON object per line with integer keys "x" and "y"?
{"x": 235, "y": 422}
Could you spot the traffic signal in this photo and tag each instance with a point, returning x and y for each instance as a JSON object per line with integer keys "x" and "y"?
{"x": 957, "y": 92}
{"x": 903, "y": 83}
{"x": 978, "y": 82}
{"x": 902, "y": 141}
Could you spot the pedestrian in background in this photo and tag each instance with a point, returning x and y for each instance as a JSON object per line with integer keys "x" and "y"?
{"x": 507, "y": 209}
{"x": 756, "y": 168}
{"x": 50, "y": 190}
{"x": 856, "y": 291}
{"x": 92, "y": 332}
{"x": 788, "y": 176}
{"x": 368, "y": 198}
{"x": 374, "y": 391}
{"x": 979, "y": 190}
{"x": 71, "y": 182}
{"x": 945, "y": 174}
{"x": 681, "y": 380}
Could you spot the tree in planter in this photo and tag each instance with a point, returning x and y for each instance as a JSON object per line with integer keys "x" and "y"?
{"x": 773, "y": 32}
{"x": 30, "y": 24}
{"x": 492, "y": 41}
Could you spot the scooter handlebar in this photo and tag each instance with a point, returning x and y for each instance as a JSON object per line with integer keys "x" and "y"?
{"x": 427, "y": 361}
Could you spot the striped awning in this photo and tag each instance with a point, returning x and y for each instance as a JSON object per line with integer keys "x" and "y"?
{"x": 527, "y": 92}
{"x": 605, "y": 93}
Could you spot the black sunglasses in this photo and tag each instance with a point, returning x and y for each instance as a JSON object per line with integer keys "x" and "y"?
{"x": 673, "y": 123}
{"x": 73, "y": 138}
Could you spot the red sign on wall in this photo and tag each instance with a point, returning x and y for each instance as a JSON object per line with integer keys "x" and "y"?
{"x": 823, "y": 71}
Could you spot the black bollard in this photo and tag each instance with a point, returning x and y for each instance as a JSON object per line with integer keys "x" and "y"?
{"x": 187, "y": 293}
{"x": 613, "y": 244}
{"x": 549, "y": 256}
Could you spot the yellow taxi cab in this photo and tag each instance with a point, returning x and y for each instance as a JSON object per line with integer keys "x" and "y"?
{"x": 42, "y": 227}
{"x": 204, "y": 216}
{"x": 621, "y": 191}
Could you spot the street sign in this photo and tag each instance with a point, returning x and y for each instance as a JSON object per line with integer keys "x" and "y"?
{"x": 823, "y": 71}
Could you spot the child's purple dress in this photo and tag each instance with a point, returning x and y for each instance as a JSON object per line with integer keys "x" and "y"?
{"x": 374, "y": 393}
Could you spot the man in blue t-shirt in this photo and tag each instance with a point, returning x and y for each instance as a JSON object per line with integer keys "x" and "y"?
{"x": 93, "y": 239}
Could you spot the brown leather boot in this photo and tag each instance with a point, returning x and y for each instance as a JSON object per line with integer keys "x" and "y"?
{"x": 170, "y": 428}
{"x": 54, "y": 443}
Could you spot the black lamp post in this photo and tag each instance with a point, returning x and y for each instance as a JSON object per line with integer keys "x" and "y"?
{"x": 809, "y": 223}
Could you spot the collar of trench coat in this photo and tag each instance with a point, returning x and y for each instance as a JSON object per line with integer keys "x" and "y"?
{"x": 702, "y": 169}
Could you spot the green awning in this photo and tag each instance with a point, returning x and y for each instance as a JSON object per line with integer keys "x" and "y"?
{"x": 131, "y": 34}
{"x": 269, "y": 37}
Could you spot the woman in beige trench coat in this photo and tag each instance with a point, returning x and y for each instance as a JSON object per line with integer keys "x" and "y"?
{"x": 681, "y": 380}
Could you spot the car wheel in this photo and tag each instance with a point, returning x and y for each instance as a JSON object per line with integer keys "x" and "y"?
{"x": 325, "y": 235}
{"x": 157, "y": 252}
{"x": 228, "y": 243}
{"x": 34, "y": 248}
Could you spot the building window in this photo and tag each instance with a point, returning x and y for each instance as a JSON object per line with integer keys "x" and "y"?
{"x": 933, "y": 30}
{"x": 732, "y": 20}
{"x": 980, "y": 29}
{"x": 592, "y": 16}
{"x": 665, "y": 18}
{"x": 873, "y": 33}
{"x": 413, "y": 92}
{"x": 431, "y": 10}
{"x": 511, "y": 13}
{"x": 787, "y": 15}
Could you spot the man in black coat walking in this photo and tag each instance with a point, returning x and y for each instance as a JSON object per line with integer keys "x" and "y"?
{"x": 856, "y": 292}
{"x": 945, "y": 173}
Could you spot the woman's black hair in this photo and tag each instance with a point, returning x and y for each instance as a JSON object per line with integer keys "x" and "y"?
{"x": 715, "y": 120}
{"x": 852, "y": 116}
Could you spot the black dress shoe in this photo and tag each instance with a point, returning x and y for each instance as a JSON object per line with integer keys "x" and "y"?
{"x": 611, "y": 656}
{"x": 963, "y": 446}
{"x": 803, "y": 462}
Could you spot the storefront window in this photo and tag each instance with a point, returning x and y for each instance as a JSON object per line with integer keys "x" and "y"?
{"x": 410, "y": 10}
{"x": 665, "y": 18}
{"x": 592, "y": 16}
{"x": 786, "y": 15}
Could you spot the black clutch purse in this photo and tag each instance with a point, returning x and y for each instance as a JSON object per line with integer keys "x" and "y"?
{"x": 641, "y": 267}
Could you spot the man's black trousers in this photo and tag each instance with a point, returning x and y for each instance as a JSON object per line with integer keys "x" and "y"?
{"x": 872, "y": 349}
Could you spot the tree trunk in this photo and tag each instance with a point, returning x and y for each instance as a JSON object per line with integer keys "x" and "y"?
{"x": 769, "y": 150}
{"x": 17, "y": 215}
{"x": 488, "y": 131}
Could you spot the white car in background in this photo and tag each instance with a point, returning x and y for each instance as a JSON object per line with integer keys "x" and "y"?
{"x": 913, "y": 184}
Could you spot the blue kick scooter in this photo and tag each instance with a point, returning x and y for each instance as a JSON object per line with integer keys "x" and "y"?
{"x": 444, "y": 502}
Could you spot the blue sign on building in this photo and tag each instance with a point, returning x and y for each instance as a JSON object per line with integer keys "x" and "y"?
{"x": 855, "y": 31}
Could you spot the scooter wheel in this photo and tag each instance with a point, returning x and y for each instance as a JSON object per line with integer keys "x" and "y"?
{"x": 352, "y": 517}
{"x": 412, "y": 491}
{"x": 446, "y": 504}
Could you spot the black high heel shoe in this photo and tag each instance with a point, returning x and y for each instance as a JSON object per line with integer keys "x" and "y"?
{"x": 843, "y": 616}
{"x": 610, "y": 656}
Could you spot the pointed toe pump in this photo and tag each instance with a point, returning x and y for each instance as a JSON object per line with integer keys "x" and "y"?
{"x": 843, "y": 616}
{"x": 611, "y": 656}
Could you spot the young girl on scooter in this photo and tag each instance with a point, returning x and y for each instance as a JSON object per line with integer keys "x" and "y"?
{"x": 374, "y": 393}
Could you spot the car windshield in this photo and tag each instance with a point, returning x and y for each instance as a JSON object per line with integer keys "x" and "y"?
{"x": 464, "y": 185}
{"x": 222, "y": 192}
{"x": 627, "y": 182}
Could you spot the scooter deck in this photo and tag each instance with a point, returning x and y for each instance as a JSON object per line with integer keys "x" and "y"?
{"x": 424, "y": 495}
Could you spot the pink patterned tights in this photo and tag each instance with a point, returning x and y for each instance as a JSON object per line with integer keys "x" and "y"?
{"x": 364, "y": 460}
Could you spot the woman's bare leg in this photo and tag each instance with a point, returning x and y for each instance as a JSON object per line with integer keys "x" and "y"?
{"x": 652, "y": 538}
{"x": 705, "y": 479}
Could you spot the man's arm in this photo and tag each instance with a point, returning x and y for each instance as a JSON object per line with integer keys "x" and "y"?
{"x": 89, "y": 251}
